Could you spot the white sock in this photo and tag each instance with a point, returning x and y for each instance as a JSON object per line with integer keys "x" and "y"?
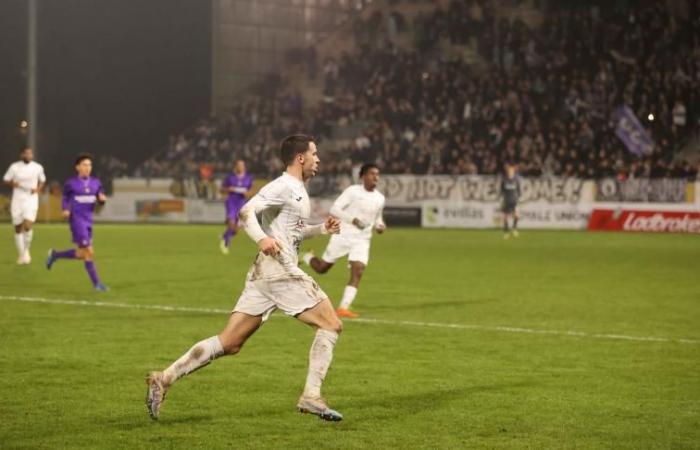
{"x": 320, "y": 357}
{"x": 306, "y": 257}
{"x": 28, "y": 236}
{"x": 348, "y": 296}
{"x": 201, "y": 354}
{"x": 19, "y": 243}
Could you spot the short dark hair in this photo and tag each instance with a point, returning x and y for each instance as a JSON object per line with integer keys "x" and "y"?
{"x": 293, "y": 145}
{"x": 82, "y": 157}
{"x": 24, "y": 148}
{"x": 366, "y": 168}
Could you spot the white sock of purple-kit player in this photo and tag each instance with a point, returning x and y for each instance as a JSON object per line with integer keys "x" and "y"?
{"x": 320, "y": 357}
{"x": 348, "y": 297}
{"x": 201, "y": 354}
{"x": 19, "y": 243}
{"x": 28, "y": 236}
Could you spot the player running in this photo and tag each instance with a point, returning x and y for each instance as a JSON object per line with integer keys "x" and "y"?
{"x": 360, "y": 209}
{"x": 237, "y": 186}
{"x": 510, "y": 190}
{"x": 276, "y": 219}
{"x": 80, "y": 195}
{"x": 27, "y": 179}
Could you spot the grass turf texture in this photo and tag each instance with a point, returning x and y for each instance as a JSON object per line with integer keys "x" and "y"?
{"x": 72, "y": 376}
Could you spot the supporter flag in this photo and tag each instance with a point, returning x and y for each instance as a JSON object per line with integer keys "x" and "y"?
{"x": 631, "y": 132}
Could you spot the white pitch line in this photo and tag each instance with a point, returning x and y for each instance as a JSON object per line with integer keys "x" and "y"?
{"x": 359, "y": 320}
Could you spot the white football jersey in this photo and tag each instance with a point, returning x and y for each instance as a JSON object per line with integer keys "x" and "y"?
{"x": 356, "y": 202}
{"x": 28, "y": 175}
{"x": 283, "y": 209}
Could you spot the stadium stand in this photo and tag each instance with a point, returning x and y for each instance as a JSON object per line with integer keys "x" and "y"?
{"x": 463, "y": 88}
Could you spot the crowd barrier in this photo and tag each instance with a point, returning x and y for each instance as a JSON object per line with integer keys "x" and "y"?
{"x": 640, "y": 205}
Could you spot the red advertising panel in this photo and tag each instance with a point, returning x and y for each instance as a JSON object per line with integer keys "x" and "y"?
{"x": 646, "y": 221}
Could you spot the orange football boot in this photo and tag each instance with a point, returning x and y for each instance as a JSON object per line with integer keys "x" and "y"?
{"x": 342, "y": 312}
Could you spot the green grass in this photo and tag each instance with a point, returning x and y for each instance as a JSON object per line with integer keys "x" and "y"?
{"x": 72, "y": 376}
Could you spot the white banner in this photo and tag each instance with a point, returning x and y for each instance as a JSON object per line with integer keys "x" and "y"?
{"x": 409, "y": 190}
{"x": 489, "y": 215}
{"x": 444, "y": 201}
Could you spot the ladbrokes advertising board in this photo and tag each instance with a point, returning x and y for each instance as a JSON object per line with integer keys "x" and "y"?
{"x": 650, "y": 221}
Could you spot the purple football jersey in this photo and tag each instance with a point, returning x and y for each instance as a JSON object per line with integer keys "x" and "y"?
{"x": 235, "y": 200}
{"x": 80, "y": 198}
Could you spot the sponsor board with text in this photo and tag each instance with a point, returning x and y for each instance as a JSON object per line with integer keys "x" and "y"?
{"x": 488, "y": 215}
{"x": 649, "y": 221}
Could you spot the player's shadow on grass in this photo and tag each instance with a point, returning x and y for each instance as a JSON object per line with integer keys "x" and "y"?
{"x": 133, "y": 421}
{"x": 416, "y": 402}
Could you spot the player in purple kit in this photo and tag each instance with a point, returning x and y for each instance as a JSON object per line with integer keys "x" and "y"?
{"x": 80, "y": 195}
{"x": 237, "y": 186}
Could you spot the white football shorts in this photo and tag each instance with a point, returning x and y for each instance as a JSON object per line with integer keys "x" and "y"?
{"x": 293, "y": 295}
{"x": 23, "y": 209}
{"x": 339, "y": 246}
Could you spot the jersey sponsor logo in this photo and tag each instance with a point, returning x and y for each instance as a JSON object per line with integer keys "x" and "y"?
{"x": 85, "y": 199}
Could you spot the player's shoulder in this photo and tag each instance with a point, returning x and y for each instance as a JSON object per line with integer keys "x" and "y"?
{"x": 279, "y": 184}
{"x": 352, "y": 188}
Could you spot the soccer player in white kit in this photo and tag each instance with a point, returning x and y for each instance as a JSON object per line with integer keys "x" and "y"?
{"x": 360, "y": 209}
{"x": 276, "y": 219}
{"x": 27, "y": 179}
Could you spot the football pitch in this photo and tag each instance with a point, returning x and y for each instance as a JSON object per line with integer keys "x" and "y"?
{"x": 553, "y": 340}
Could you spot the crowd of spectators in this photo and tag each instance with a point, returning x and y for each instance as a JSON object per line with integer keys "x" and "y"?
{"x": 542, "y": 98}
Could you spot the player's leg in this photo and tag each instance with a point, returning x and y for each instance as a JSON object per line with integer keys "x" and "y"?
{"x": 239, "y": 328}
{"x": 17, "y": 222}
{"x": 358, "y": 258}
{"x": 54, "y": 255}
{"x": 328, "y": 326}
{"x": 337, "y": 248}
{"x": 19, "y": 243}
{"x": 28, "y": 236}
{"x": 316, "y": 263}
{"x": 87, "y": 254}
{"x": 506, "y": 228}
{"x": 230, "y": 232}
{"x": 357, "y": 268}
{"x": 516, "y": 216}
{"x": 81, "y": 238}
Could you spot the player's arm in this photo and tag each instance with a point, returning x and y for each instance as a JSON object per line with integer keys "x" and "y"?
{"x": 270, "y": 196}
{"x": 65, "y": 201}
{"x": 9, "y": 178}
{"x": 330, "y": 226}
{"x": 339, "y": 209}
{"x": 248, "y": 188}
{"x": 379, "y": 224}
{"x": 226, "y": 187}
{"x": 101, "y": 197}
{"x": 42, "y": 182}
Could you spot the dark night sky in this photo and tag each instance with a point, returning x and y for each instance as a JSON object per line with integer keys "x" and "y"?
{"x": 115, "y": 77}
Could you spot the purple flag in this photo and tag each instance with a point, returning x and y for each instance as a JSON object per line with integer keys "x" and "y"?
{"x": 631, "y": 132}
